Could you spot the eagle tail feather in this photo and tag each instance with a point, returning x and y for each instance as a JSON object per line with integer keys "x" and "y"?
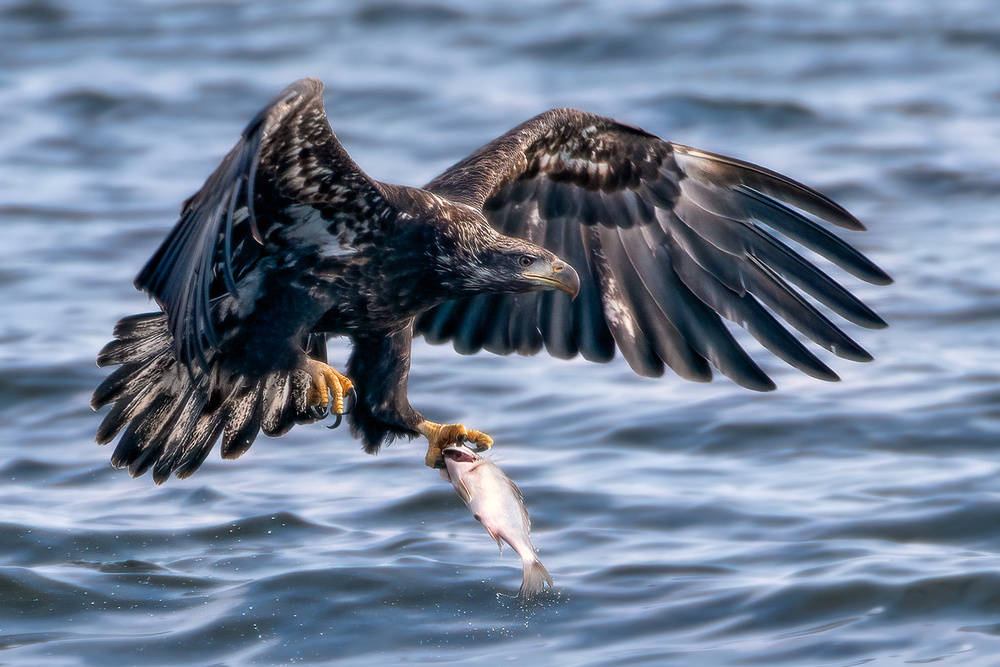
{"x": 172, "y": 417}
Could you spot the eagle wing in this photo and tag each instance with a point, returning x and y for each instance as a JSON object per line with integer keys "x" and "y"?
{"x": 287, "y": 169}
{"x": 668, "y": 240}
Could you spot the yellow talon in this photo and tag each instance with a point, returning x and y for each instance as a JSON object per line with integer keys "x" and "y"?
{"x": 441, "y": 436}
{"x": 326, "y": 381}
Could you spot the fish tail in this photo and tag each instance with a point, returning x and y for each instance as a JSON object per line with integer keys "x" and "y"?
{"x": 172, "y": 416}
{"x": 534, "y": 579}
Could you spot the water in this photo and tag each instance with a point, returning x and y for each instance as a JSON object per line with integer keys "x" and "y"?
{"x": 684, "y": 524}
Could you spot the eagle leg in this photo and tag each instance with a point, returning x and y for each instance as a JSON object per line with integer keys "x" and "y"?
{"x": 327, "y": 381}
{"x": 441, "y": 436}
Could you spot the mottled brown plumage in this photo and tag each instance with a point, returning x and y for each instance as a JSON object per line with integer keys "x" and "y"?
{"x": 289, "y": 241}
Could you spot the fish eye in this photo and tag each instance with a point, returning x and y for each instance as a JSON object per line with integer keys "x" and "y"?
{"x": 526, "y": 260}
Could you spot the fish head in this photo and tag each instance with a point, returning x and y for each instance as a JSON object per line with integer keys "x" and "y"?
{"x": 460, "y": 454}
{"x": 455, "y": 458}
{"x": 459, "y": 463}
{"x": 459, "y": 459}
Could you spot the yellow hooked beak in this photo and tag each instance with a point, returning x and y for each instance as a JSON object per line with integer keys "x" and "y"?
{"x": 561, "y": 276}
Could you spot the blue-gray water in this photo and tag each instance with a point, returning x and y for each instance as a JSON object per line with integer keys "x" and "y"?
{"x": 684, "y": 524}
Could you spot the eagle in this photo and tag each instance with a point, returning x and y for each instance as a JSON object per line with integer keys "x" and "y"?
{"x": 572, "y": 232}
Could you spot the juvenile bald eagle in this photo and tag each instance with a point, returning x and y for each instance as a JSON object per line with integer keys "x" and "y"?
{"x": 289, "y": 241}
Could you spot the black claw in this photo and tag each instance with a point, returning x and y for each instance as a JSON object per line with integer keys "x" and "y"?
{"x": 336, "y": 423}
{"x": 318, "y": 412}
{"x": 352, "y": 401}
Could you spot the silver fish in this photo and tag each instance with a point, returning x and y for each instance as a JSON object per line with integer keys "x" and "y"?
{"x": 496, "y": 503}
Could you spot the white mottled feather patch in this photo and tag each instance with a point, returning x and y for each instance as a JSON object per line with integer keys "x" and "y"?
{"x": 313, "y": 231}
{"x": 615, "y": 309}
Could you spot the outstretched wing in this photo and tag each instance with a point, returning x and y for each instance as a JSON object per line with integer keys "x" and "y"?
{"x": 668, "y": 240}
{"x": 286, "y": 172}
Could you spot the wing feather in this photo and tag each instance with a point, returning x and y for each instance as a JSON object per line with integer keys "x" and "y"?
{"x": 729, "y": 172}
{"x": 698, "y": 326}
{"x": 473, "y": 328}
{"x": 555, "y": 310}
{"x": 590, "y": 329}
{"x": 525, "y": 338}
{"x": 745, "y": 310}
{"x": 669, "y": 242}
{"x": 243, "y": 421}
{"x": 623, "y": 305}
{"x": 286, "y": 171}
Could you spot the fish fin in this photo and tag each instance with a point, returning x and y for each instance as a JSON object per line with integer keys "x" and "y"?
{"x": 520, "y": 499}
{"x": 517, "y": 491}
{"x": 534, "y": 579}
{"x": 495, "y": 535}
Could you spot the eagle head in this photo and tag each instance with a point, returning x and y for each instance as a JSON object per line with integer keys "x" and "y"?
{"x": 488, "y": 261}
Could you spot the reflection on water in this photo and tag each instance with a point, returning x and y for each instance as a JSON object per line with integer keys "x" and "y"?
{"x": 684, "y": 524}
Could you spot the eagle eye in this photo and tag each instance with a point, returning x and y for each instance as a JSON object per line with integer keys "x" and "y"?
{"x": 526, "y": 261}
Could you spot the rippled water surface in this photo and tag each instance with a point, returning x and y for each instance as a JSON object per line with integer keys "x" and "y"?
{"x": 821, "y": 524}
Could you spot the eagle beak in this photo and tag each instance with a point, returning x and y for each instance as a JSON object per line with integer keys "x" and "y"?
{"x": 562, "y": 277}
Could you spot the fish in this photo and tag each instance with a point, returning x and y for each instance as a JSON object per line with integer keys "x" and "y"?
{"x": 496, "y": 502}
